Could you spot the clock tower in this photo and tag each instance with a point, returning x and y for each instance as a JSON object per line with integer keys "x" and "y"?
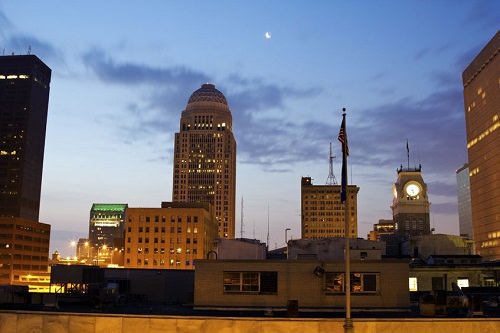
{"x": 410, "y": 204}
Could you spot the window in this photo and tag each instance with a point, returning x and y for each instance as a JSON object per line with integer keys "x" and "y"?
{"x": 413, "y": 286}
{"x": 250, "y": 282}
{"x": 463, "y": 282}
{"x": 437, "y": 283}
{"x": 360, "y": 282}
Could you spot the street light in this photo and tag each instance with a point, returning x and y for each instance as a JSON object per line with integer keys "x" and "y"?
{"x": 286, "y": 235}
{"x": 286, "y": 241}
{"x": 7, "y": 246}
{"x": 73, "y": 245}
{"x": 88, "y": 252}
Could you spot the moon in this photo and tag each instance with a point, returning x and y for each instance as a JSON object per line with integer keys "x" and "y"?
{"x": 268, "y": 35}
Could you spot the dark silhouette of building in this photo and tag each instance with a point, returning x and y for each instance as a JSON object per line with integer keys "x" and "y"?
{"x": 205, "y": 156}
{"x": 24, "y": 98}
{"x": 24, "y": 241}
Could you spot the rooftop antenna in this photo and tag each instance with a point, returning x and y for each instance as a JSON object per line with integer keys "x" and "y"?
{"x": 331, "y": 177}
{"x": 268, "y": 225}
{"x": 241, "y": 227}
{"x": 29, "y": 49}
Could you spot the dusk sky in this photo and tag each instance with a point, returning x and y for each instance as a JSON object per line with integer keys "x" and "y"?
{"x": 122, "y": 72}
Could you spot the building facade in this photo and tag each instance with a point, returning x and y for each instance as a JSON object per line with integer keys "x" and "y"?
{"x": 481, "y": 81}
{"x": 313, "y": 284}
{"x": 24, "y": 253}
{"x": 240, "y": 248}
{"x": 322, "y": 213}
{"x": 205, "y": 157}
{"x": 105, "y": 230}
{"x": 333, "y": 249}
{"x": 24, "y": 99}
{"x": 170, "y": 237}
{"x": 463, "y": 197}
{"x": 410, "y": 205}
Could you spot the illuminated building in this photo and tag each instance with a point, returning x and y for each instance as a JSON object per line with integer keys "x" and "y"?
{"x": 383, "y": 227}
{"x": 24, "y": 98}
{"x": 24, "y": 253}
{"x": 481, "y": 82}
{"x": 105, "y": 229}
{"x": 463, "y": 196}
{"x": 410, "y": 205}
{"x": 205, "y": 157}
{"x": 322, "y": 212}
{"x": 170, "y": 237}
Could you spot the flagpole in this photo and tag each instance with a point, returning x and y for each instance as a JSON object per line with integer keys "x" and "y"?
{"x": 408, "y": 153}
{"x": 344, "y": 198}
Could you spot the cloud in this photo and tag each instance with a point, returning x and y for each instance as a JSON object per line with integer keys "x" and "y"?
{"x": 265, "y": 140}
{"x": 23, "y": 44}
{"x": 174, "y": 77}
{"x": 268, "y": 132}
{"x": 4, "y": 23}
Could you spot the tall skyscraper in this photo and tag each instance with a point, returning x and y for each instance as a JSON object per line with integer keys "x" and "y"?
{"x": 463, "y": 196}
{"x": 24, "y": 98}
{"x": 323, "y": 213}
{"x": 410, "y": 205}
{"x": 481, "y": 81}
{"x": 205, "y": 156}
{"x": 24, "y": 241}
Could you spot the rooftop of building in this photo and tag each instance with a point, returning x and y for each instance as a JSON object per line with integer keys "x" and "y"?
{"x": 207, "y": 93}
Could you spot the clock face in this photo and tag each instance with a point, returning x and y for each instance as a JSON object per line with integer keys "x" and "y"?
{"x": 395, "y": 191}
{"x": 412, "y": 190}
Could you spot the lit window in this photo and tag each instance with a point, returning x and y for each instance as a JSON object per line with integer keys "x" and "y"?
{"x": 360, "y": 282}
{"x": 463, "y": 282}
{"x": 412, "y": 284}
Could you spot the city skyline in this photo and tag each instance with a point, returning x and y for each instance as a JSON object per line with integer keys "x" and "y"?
{"x": 122, "y": 75}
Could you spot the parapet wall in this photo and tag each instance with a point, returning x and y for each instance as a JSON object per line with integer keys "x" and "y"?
{"x": 22, "y": 322}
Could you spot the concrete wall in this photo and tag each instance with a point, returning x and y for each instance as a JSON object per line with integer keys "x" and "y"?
{"x": 17, "y": 322}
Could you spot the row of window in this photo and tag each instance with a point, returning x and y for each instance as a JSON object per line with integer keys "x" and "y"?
{"x": 162, "y": 250}
{"x": 173, "y": 219}
{"x": 163, "y": 229}
{"x": 159, "y": 262}
{"x": 267, "y": 282}
{"x": 162, "y": 240}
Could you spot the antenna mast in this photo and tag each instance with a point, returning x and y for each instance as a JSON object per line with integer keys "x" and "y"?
{"x": 331, "y": 177}
{"x": 241, "y": 226}
{"x": 268, "y": 225}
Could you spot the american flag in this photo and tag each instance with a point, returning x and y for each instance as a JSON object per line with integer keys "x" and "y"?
{"x": 345, "y": 152}
{"x": 343, "y": 137}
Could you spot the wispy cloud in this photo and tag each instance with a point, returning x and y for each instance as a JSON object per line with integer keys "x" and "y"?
{"x": 24, "y": 44}
{"x": 261, "y": 140}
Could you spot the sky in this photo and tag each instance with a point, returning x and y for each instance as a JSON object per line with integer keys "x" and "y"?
{"x": 122, "y": 73}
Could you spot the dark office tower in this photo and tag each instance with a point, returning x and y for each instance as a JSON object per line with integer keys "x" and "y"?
{"x": 481, "y": 81}
{"x": 205, "y": 156}
{"x": 24, "y": 99}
